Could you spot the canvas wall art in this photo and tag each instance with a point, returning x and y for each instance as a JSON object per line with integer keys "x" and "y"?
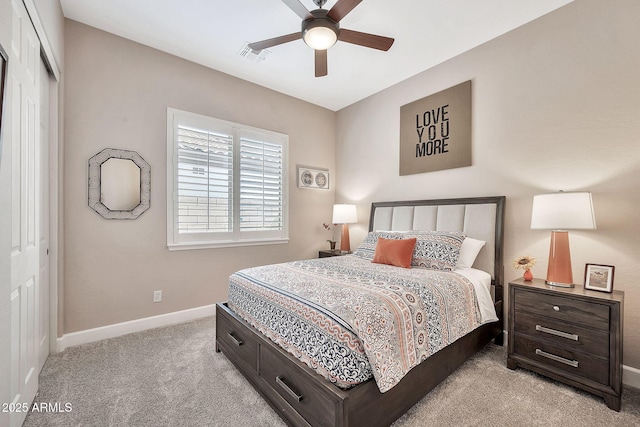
{"x": 435, "y": 131}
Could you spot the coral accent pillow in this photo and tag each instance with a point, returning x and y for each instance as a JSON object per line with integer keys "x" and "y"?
{"x": 368, "y": 246}
{"x": 394, "y": 252}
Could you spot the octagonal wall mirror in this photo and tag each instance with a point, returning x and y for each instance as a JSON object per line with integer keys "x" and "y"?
{"x": 119, "y": 184}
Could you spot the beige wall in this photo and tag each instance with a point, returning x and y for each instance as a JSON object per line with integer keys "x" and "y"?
{"x": 117, "y": 94}
{"x": 556, "y": 105}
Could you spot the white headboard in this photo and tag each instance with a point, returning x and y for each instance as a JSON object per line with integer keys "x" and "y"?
{"x": 480, "y": 218}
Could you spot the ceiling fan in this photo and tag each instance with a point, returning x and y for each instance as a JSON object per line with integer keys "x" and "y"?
{"x": 321, "y": 29}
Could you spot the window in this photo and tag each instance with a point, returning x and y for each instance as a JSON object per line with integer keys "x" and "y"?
{"x": 226, "y": 183}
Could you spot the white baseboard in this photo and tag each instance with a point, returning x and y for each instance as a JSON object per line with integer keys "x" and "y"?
{"x": 119, "y": 329}
{"x": 630, "y": 376}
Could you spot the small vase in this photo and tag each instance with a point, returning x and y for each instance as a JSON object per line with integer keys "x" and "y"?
{"x": 528, "y": 275}
{"x": 332, "y": 244}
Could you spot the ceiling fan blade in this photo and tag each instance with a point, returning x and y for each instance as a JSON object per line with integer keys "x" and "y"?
{"x": 342, "y": 8}
{"x": 275, "y": 41}
{"x": 364, "y": 39}
{"x": 297, "y": 7}
{"x": 321, "y": 63}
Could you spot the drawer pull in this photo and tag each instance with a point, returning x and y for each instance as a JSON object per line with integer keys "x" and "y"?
{"x": 236, "y": 341}
{"x": 285, "y": 386}
{"x": 573, "y": 363}
{"x": 556, "y": 308}
{"x": 557, "y": 333}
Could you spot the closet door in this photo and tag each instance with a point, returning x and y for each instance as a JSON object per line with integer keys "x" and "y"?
{"x": 44, "y": 218}
{"x": 23, "y": 82}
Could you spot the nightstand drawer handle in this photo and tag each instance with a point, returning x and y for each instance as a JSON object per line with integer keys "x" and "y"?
{"x": 557, "y": 333}
{"x": 556, "y": 308}
{"x": 573, "y": 363}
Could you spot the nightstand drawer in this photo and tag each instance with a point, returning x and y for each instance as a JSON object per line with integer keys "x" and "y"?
{"x": 573, "y": 362}
{"x": 564, "y": 334}
{"x": 591, "y": 315}
{"x": 573, "y": 335}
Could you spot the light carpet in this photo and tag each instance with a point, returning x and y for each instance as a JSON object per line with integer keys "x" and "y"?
{"x": 172, "y": 376}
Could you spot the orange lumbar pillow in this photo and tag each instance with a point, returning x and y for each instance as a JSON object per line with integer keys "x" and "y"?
{"x": 394, "y": 252}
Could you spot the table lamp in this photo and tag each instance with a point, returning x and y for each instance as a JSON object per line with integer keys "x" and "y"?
{"x": 560, "y": 212}
{"x": 345, "y": 215}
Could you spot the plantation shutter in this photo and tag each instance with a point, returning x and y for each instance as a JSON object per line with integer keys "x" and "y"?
{"x": 261, "y": 184}
{"x": 226, "y": 183}
{"x": 205, "y": 181}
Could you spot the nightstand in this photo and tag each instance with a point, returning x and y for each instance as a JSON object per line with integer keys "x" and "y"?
{"x": 572, "y": 335}
{"x": 330, "y": 253}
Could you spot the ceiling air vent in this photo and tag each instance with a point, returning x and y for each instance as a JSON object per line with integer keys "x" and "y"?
{"x": 251, "y": 54}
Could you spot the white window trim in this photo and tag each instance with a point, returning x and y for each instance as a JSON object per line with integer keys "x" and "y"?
{"x": 203, "y": 240}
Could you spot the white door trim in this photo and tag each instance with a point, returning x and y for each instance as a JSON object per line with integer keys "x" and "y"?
{"x": 45, "y": 46}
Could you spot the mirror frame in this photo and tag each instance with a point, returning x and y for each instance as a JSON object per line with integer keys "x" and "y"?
{"x": 96, "y": 204}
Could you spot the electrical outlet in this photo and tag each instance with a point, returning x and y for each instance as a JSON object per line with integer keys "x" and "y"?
{"x": 157, "y": 296}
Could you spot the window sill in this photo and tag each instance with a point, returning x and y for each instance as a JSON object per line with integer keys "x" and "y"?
{"x": 224, "y": 244}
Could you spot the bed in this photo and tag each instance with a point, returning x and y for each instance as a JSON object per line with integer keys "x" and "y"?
{"x": 304, "y": 393}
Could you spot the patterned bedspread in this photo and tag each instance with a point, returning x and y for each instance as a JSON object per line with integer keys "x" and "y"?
{"x": 349, "y": 319}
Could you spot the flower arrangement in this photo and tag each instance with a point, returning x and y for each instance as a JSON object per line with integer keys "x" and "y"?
{"x": 525, "y": 262}
{"x": 330, "y": 227}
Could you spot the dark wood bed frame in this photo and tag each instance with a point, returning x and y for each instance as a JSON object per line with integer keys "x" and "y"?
{"x": 303, "y": 398}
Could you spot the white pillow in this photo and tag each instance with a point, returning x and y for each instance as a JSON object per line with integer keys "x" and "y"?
{"x": 468, "y": 252}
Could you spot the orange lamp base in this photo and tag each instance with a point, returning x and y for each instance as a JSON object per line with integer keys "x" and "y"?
{"x": 559, "y": 272}
{"x": 345, "y": 245}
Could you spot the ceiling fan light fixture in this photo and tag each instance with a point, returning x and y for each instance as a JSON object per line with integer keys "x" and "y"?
{"x": 320, "y": 38}
{"x": 320, "y": 32}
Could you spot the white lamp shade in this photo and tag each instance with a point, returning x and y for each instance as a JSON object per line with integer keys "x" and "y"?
{"x": 563, "y": 211}
{"x": 345, "y": 214}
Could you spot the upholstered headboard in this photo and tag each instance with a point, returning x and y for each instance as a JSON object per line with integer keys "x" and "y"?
{"x": 480, "y": 218}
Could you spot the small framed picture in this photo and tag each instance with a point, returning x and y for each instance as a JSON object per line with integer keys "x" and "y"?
{"x": 598, "y": 277}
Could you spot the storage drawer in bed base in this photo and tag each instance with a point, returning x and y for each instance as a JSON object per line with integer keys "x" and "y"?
{"x": 300, "y": 391}
{"x": 298, "y": 394}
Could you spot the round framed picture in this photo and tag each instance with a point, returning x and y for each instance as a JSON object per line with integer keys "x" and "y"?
{"x": 321, "y": 180}
{"x": 306, "y": 178}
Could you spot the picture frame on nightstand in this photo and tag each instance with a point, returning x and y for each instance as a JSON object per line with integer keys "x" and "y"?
{"x": 598, "y": 277}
